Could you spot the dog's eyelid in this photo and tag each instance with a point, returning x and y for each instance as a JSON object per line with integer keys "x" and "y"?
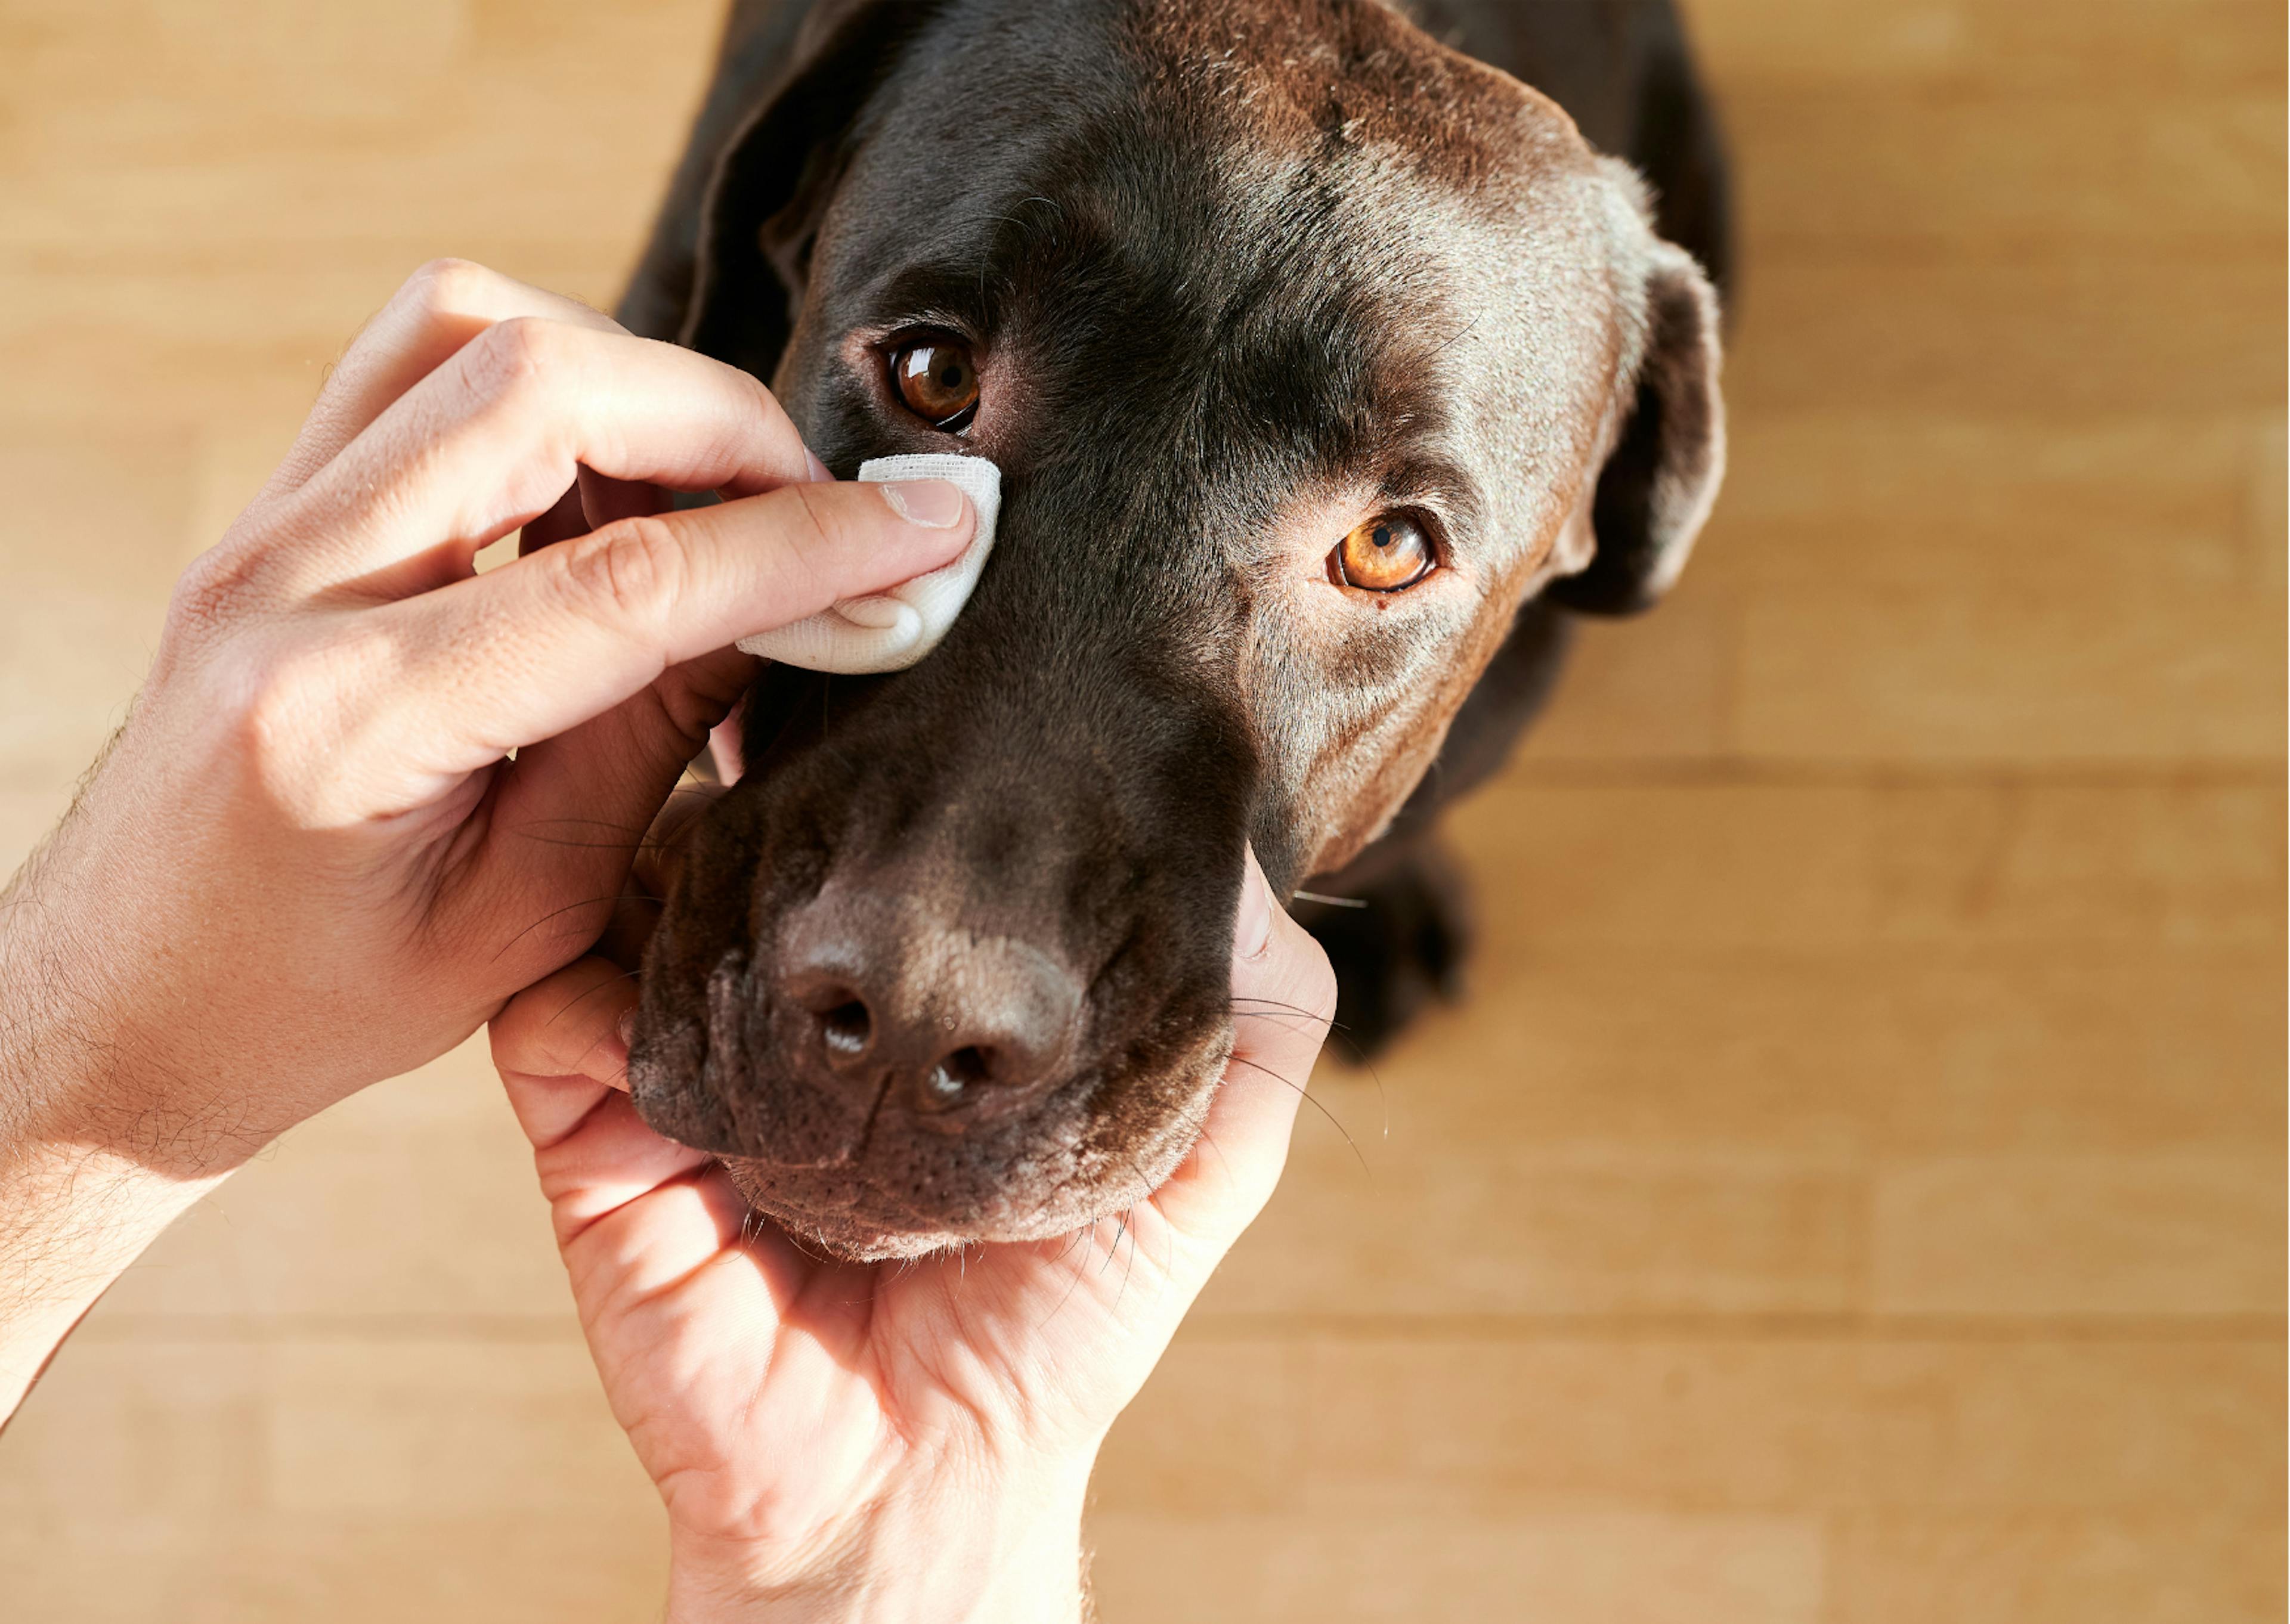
{"x": 1438, "y": 488}
{"x": 875, "y": 342}
{"x": 1426, "y": 516}
{"x": 924, "y": 330}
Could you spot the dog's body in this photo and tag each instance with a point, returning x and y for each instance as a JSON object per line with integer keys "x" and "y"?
{"x": 1234, "y": 281}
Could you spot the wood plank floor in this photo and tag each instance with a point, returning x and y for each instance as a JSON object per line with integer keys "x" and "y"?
{"x": 1854, "y": 1193}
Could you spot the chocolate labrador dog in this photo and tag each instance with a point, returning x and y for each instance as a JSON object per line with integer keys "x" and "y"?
{"x": 1328, "y": 365}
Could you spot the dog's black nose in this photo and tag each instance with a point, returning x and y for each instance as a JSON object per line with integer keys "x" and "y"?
{"x": 957, "y": 1025}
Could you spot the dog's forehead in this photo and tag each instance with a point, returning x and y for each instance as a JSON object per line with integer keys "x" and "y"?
{"x": 1316, "y": 198}
{"x": 1353, "y": 72}
{"x": 1478, "y": 193}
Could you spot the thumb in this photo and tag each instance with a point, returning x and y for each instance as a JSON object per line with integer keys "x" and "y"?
{"x": 576, "y": 661}
{"x": 583, "y": 807}
{"x": 1284, "y": 995}
{"x": 542, "y": 646}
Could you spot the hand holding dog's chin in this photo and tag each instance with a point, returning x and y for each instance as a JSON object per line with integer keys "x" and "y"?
{"x": 838, "y": 1440}
{"x": 307, "y": 861}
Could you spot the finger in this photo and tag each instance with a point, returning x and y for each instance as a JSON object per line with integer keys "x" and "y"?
{"x": 636, "y": 1214}
{"x": 559, "y": 1047}
{"x": 563, "y": 520}
{"x": 684, "y": 1248}
{"x": 591, "y": 503}
{"x": 662, "y": 857}
{"x": 491, "y": 439}
{"x": 609, "y": 1160}
{"x": 438, "y": 310}
{"x": 584, "y": 808}
{"x": 605, "y": 501}
{"x": 540, "y": 645}
{"x": 727, "y": 749}
{"x": 633, "y": 1212}
{"x": 1283, "y": 997}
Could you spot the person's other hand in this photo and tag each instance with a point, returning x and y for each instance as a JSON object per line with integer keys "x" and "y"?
{"x": 899, "y": 1440}
{"x": 310, "y": 861}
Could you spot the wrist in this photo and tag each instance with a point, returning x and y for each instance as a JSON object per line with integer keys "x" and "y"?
{"x": 959, "y": 1550}
{"x": 79, "y": 1205}
{"x": 92, "y": 1059}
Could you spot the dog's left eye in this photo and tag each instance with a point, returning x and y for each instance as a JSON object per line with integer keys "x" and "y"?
{"x": 937, "y": 381}
{"x": 1389, "y": 553}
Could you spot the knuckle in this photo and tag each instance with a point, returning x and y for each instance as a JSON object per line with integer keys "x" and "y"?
{"x": 260, "y": 696}
{"x": 757, "y": 395}
{"x": 214, "y": 591}
{"x": 816, "y": 521}
{"x": 632, "y": 569}
{"x": 556, "y": 1046}
{"x": 811, "y": 529}
{"x": 295, "y": 713}
{"x": 269, "y": 702}
{"x": 446, "y": 286}
{"x": 510, "y": 359}
{"x": 691, "y": 702}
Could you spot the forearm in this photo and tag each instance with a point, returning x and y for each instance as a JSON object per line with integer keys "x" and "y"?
{"x": 72, "y": 1219}
{"x": 77, "y": 1203}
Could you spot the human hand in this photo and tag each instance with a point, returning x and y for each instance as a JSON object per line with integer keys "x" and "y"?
{"x": 887, "y": 1440}
{"x": 310, "y": 861}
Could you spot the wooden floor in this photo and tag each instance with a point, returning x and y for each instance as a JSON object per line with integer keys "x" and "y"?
{"x": 1854, "y": 1193}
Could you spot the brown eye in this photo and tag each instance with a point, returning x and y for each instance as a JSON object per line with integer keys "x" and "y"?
{"x": 1388, "y": 553}
{"x": 937, "y": 381}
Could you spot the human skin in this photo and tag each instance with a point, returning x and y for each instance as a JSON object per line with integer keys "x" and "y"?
{"x": 881, "y": 1440}
{"x": 309, "y": 861}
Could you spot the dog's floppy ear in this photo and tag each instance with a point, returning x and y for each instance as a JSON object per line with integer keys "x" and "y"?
{"x": 1664, "y": 471}
{"x": 773, "y": 180}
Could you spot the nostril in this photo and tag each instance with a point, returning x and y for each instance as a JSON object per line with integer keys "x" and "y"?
{"x": 845, "y": 1029}
{"x": 953, "y": 1079}
{"x": 873, "y": 1001}
{"x": 839, "y": 1011}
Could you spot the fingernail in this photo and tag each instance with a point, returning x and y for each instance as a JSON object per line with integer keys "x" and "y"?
{"x": 820, "y": 476}
{"x": 934, "y": 504}
{"x": 627, "y": 1028}
{"x": 1253, "y": 932}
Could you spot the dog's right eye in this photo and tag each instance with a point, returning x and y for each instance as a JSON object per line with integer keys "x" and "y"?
{"x": 937, "y": 381}
{"x": 1388, "y": 553}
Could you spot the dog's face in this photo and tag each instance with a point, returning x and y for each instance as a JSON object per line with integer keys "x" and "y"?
{"x": 1308, "y": 349}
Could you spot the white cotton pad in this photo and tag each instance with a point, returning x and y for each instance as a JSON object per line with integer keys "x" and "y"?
{"x": 892, "y": 631}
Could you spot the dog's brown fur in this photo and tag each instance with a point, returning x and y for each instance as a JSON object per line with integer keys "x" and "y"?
{"x": 1246, "y": 275}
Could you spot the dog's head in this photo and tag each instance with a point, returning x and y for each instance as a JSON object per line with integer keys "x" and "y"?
{"x": 1309, "y": 349}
